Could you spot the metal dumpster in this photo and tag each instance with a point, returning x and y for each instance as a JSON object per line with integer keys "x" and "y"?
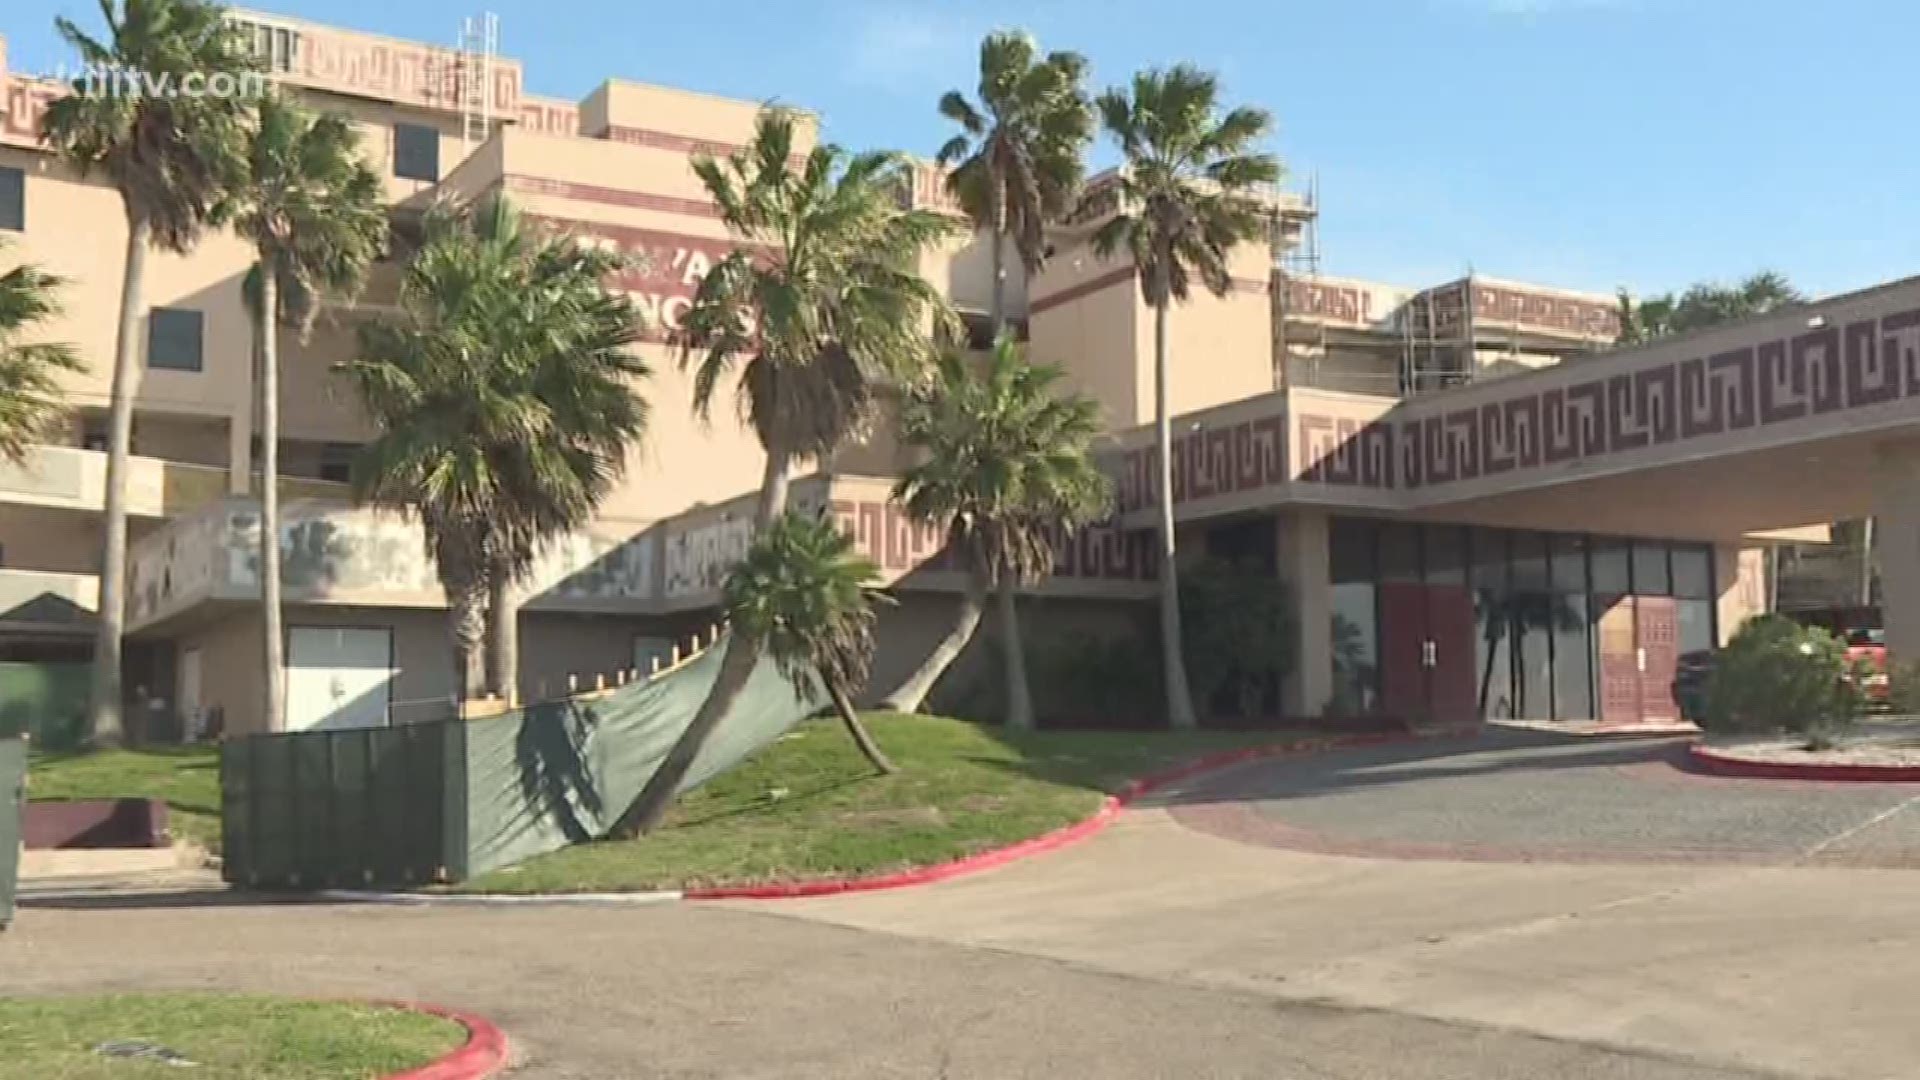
{"x": 13, "y": 785}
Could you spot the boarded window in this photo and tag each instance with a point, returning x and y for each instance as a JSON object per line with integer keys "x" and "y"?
{"x": 174, "y": 338}
{"x": 416, "y": 152}
{"x": 13, "y": 199}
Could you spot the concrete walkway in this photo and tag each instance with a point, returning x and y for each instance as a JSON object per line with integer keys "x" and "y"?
{"x": 1809, "y": 972}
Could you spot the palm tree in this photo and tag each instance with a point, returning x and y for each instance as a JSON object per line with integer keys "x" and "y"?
{"x": 171, "y": 158}
{"x": 30, "y": 396}
{"x": 317, "y": 220}
{"x": 806, "y": 592}
{"x": 819, "y": 308}
{"x": 1005, "y": 468}
{"x": 1186, "y": 196}
{"x": 505, "y": 403}
{"x": 1702, "y": 305}
{"x": 1019, "y": 154}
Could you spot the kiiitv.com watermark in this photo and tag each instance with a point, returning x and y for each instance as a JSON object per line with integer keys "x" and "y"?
{"x": 115, "y": 81}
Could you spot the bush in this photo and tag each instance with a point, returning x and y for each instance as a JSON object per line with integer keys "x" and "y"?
{"x": 1776, "y": 675}
{"x": 1239, "y": 637}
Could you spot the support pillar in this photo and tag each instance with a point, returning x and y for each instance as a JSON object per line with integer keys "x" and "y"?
{"x": 1302, "y": 546}
{"x": 240, "y": 452}
{"x": 1896, "y": 505}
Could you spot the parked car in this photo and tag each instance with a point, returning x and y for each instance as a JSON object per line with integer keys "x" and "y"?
{"x": 1867, "y": 655}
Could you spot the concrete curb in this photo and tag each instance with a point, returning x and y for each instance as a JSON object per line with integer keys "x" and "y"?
{"x": 1709, "y": 761}
{"x": 483, "y": 1054}
{"x": 1080, "y": 830}
{"x": 632, "y": 899}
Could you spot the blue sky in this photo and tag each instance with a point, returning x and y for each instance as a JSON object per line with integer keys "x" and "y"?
{"x": 1584, "y": 143}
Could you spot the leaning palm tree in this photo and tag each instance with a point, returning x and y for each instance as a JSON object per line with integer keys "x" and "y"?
{"x": 316, "y": 217}
{"x": 817, "y": 311}
{"x": 31, "y": 403}
{"x": 1017, "y": 160}
{"x": 1005, "y": 468}
{"x": 1187, "y": 194}
{"x": 171, "y": 158}
{"x": 504, "y": 398}
{"x": 805, "y": 591}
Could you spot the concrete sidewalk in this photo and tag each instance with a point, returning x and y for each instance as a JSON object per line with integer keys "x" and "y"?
{"x": 1807, "y": 972}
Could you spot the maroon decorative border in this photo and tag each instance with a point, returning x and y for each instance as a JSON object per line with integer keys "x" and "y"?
{"x": 1245, "y": 456}
{"x": 1827, "y": 369}
{"x": 567, "y": 189}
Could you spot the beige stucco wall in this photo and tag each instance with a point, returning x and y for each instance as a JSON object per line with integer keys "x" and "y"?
{"x": 53, "y": 540}
{"x": 1741, "y": 586}
{"x": 1094, "y": 336}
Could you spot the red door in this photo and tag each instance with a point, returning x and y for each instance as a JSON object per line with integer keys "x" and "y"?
{"x": 1619, "y": 662}
{"x": 1451, "y": 679}
{"x": 1657, "y": 637}
{"x": 1403, "y": 650}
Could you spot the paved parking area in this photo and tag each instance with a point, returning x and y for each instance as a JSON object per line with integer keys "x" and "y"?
{"x": 1527, "y": 796}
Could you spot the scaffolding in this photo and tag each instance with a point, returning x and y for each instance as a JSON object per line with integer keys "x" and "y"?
{"x": 479, "y": 47}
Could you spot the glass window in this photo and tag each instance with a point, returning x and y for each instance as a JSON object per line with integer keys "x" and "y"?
{"x": 1446, "y": 556}
{"x": 1693, "y": 571}
{"x": 1695, "y": 625}
{"x": 1493, "y": 653}
{"x": 1608, "y": 559}
{"x": 1489, "y": 559}
{"x": 174, "y": 338}
{"x": 1536, "y": 616}
{"x": 1572, "y": 660}
{"x": 1351, "y": 550}
{"x": 416, "y": 152}
{"x": 1399, "y": 552}
{"x": 1569, "y": 565}
{"x": 13, "y": 199}
{"x": 1650, "y": 576}
{"x": 1530, "y": 561}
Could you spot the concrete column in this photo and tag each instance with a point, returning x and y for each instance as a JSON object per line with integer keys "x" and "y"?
{"x": 1302, "y": 545}
{"x": 1896, "y": 505}
{"x": 1740, "y": 586}
{"x": 240, "y": 452}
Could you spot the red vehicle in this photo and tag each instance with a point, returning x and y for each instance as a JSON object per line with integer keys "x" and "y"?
{"x": 1867, "y": 654}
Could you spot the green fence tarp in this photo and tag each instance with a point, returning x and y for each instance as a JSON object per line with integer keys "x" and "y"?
{"x": 46, "y": 700}
{"x": 13, "y": 782}
{"x": 557, "y": 774}
{"x": 448, "y": 800}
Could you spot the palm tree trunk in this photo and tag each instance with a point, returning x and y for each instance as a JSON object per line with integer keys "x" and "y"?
{"x": 1019, "y": 695}
{"x": 273, "y": 708}
{"x": 997, "y": 245}
{"x": 467, "y": 632}
{"x": 861, "y": 736}
{"x": 503, "y": 636}
{"x": 736, "y": 667}
{"x": 104, "y": 728}
{"x": 912, "y": 693}
{"x": 1179, "y": 697}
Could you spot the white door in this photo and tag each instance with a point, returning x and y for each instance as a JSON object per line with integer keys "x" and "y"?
{"x": 338, "y": 677}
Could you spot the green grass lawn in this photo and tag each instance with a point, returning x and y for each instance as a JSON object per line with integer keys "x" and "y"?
{"x": 232, "y": 1037}
{"x": 810, "y": 806}
{"x": 186, "y": 777}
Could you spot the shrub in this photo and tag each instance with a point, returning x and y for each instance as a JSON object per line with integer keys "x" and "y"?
{"x": 1239, "y": 637}
{"x": 1776, "y": 675}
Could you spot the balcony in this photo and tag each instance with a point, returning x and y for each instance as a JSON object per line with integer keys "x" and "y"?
{"x": 66, "y": 477}
{"x": 39, "y": 601}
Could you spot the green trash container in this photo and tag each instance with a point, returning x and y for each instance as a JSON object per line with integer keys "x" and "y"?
{"x": 13, "y": 793}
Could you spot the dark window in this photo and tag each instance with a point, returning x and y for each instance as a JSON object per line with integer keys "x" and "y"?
{"x": 93, "y": 434}
{"x": 1355, "y": 629}
{"x": 1650, "y": 576}
{"x": 1610, "y": 567}
{"x": 416, "y": 152}
{"x": 336, "y": 461}
{"x": 174, "y": 338}
{"x": 1692, "y": 572}
{"x": 13, "y": 199}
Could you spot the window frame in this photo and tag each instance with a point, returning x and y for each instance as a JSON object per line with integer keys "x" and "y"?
{"x": 154, "y": 337}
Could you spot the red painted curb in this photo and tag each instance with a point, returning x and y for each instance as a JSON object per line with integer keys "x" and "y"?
{"x": 484, "y": 1054}
{"x": 1708, "y": 761}
{"x": 1067, "y": 834}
